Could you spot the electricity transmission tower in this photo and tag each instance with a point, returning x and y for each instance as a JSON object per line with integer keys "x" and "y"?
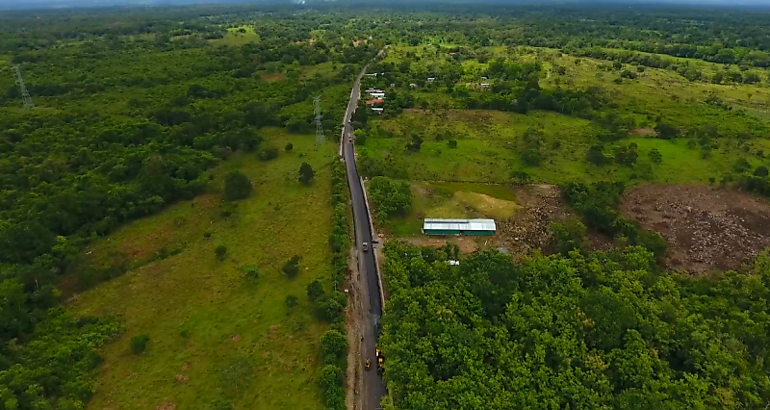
{"x": 319, "y": 129}
{"x": 23, "y": 88}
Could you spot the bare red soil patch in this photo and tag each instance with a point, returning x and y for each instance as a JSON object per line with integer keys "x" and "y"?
{"x": 529, "y": 229}
{"x": 642, "y": 132}
{"x": 274, "y": 77}
{"x": 706, "y": 228}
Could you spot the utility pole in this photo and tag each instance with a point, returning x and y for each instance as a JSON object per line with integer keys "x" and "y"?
{"x": 23, "y": 88}
{"x": 319, "y": 129}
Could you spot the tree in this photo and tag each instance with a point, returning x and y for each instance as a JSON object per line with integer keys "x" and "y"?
{"x": 656, "y": 156}
{"x": 452, "y": 143}
{"x": 139, "y": 343}
{"x": 315, "y": 290}
{"x": 330, "y": 306}
{"x": 289, "y": 147}
{"x": 761, "y": 171}
{"x": 666, "y": 131}
{"x": 306, "y": 173}
{"x": 390, "y": 197}
{"x": 334, "y": 345}
{"x": 268, "y": 154}
{"x": 596, "y": 155}
{"x": 741, "y": 165}
{"x": 568, "y": 236}
{"x": 531, "y": 157}
{"x": 626, "y": 155}
{"x": 237, "y": 186}
{"x": 415, "y": 144}
{"x": 250, "y": 271}
{"x": 221, "y": 252}
{"x": 291, "y": 301}
{"x": 361, "y": 136}
{"x": 291, "y": 266}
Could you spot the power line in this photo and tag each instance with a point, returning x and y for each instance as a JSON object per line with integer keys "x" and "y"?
{"x": 23, "y": 88}
{"x": 319, "y": 129}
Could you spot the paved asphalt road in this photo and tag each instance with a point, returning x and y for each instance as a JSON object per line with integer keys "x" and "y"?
{"x": 374, "y": 388}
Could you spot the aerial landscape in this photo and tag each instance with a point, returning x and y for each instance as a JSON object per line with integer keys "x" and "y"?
{"x": 408, "y": 205}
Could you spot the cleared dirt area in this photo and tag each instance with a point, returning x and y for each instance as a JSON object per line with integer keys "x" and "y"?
{"x": 528, "y": 230}
{"x": 522, "y": 232}
{"x": 706, "y": 228}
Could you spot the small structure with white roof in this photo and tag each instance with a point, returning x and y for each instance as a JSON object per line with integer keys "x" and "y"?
{"x": 459, "y": 226}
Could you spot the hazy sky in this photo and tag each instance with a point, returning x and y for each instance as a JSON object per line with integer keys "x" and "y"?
{"x": 20, "y": 4}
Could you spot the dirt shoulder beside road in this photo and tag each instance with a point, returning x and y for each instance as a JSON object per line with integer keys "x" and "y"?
{"x": 354, "y": 320}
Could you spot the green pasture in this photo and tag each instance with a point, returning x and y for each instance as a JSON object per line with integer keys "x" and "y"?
{"x": 217, "y": 337}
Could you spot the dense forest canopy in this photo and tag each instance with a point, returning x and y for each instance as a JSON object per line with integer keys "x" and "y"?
{"x": 603, "y": 331}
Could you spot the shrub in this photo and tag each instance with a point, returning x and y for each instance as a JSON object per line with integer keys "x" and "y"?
{"x": 334, "y": 345}
{"x": 596, "y": 156}
{"x": 568, "y": 236}
{"x": 250, "y": 271}
{"x": 315, "y": 290}
{"x": 220, "y": 251}
{"x": 291, "y": 301}
{"x": 740, "y": 166}
{"x": 666, "y": 131}
{"x": 656, "y": 156}
{"x": 289, "y": 147}
{"x": 330, "y": 306}
{"x": 390, "y": 197}
{"x": 267, "y": 154}
{"x": 306, "y": 173}
{"x": 291, "y": 267}
{"x": 139, "y": 343}
{"x": 531, "y": 157}
{"x": 332, "y": 387}
{"x": 237, "y": 186}
{"x": 415, "y": 144}
{"x": 761, "y": 171}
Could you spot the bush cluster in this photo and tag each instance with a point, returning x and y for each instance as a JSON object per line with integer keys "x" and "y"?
{"x": 598, "y": 204}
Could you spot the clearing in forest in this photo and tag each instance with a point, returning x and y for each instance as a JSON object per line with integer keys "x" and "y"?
{"x": 706, "y": 228}
{"x": 523, "y": 215}
{"x": 216, "y": 336}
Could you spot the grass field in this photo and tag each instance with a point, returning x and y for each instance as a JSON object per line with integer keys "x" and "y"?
{"x": 453, "y": 200}
{"x": 488, "y": 150}
{"x": 656, "y": 93}
{"x": 490, "y": 143}
{"x": 217, "y": 337}
{"x": 235, "y": 37}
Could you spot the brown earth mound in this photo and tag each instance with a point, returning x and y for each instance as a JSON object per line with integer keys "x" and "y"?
{"x": 706, "y": 228}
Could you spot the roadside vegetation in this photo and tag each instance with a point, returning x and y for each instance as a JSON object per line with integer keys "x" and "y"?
{"x": 163, "y": 178}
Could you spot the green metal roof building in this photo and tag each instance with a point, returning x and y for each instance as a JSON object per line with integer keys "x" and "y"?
{"x": 459, "y": 227}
